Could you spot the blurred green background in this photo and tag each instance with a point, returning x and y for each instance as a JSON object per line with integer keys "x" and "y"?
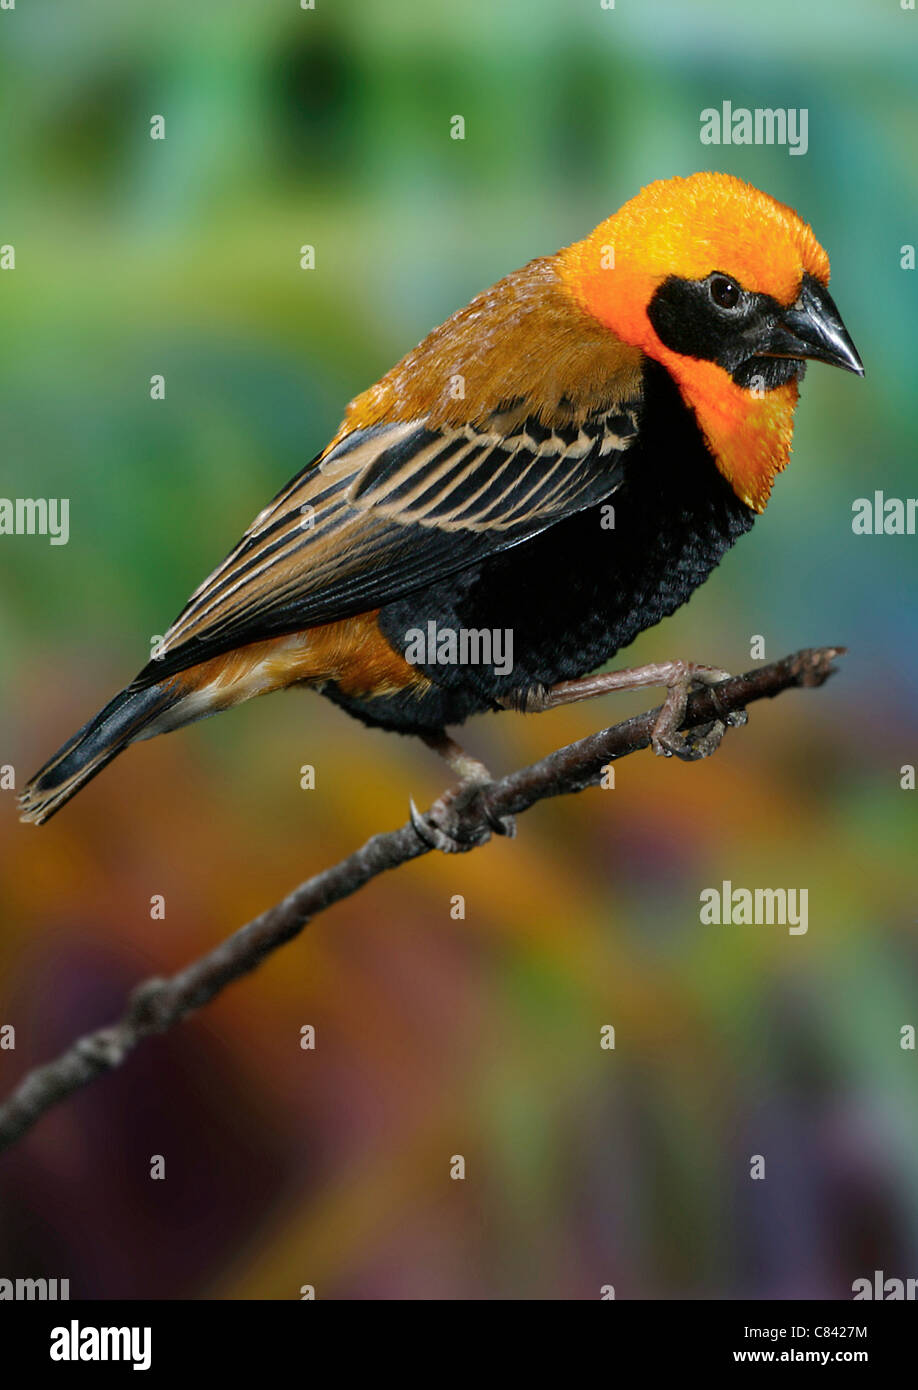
{"x": 481, "y": 1037}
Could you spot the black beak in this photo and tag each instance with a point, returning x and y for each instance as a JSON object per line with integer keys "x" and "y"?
{"x": 813, "y": 328}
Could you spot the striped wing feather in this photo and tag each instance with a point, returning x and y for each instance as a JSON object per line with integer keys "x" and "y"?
{"x": 389, "y": 509}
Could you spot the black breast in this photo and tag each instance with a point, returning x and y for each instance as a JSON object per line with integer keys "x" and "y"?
{"x": 579, "y": 592}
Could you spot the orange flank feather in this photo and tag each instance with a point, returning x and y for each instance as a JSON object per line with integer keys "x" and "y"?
{"x": 353, "y": 653}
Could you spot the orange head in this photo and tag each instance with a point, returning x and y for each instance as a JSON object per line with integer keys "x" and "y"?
{"x": 726, "y": 288}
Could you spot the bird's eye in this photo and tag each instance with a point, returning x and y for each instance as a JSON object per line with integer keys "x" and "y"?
{"x": 723, "y": 291}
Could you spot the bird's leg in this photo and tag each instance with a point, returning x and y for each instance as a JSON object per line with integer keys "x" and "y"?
{"x": 436, "y": 828}
{"x": 679, "y": 678}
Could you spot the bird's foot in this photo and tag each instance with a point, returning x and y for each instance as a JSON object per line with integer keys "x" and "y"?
{"x": 679, "y": 678}
{"x": 461, "y": 819}
{"x": 668, "y": 740}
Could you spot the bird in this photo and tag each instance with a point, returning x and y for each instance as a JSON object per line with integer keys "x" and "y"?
{"x": 563, "y": 461}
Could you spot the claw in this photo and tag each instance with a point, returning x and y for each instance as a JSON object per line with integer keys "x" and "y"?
{"x": 423, "y": 831}
{"x": 442, "y": 836}
{"x": 439, "y": 828}
{"x": 501, "y": 825}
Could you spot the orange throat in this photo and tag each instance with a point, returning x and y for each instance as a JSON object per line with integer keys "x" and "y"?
{"x": 748, "y": 434}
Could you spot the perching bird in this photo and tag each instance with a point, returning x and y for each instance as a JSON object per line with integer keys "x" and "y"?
{"x": 565, "y": 460}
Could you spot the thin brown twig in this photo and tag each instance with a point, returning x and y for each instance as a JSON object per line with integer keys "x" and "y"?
{"x": 158, "y": 1004}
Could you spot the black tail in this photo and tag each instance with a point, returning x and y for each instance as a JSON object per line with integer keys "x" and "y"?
{"x": 123, "y": 720}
